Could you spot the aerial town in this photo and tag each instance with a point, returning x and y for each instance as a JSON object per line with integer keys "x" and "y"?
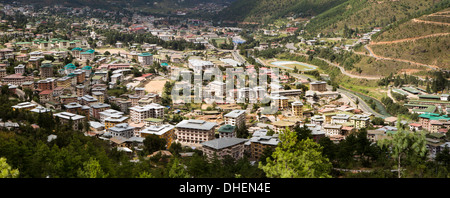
{"x": 114, "y": 77}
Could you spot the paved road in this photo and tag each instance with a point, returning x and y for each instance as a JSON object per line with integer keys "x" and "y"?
{"x": 345, "y": 72}
{"x": 362, "y": 104}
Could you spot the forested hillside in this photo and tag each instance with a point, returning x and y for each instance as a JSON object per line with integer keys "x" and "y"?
{"x": 367, "y": 14}
{"x": 268, "y": 10}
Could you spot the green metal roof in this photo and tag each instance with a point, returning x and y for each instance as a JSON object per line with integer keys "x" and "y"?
{"x": 87, "y": 67}
{"x": 429, "y": 96}
{"x": 70, "y": 66}
{"x": 145, "y": 54}
{"x": 434, "y": 116}
{"x": 227, "y": 129}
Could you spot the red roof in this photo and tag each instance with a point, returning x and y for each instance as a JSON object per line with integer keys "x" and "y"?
{"x": 415, "y": 124}
{"x": 146, "y": 75}
{"x": 46, "y": 92}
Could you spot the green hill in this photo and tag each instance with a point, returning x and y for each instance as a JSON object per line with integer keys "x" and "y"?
{"x": 367, "y": 14}
{"x": 269, "y": 10}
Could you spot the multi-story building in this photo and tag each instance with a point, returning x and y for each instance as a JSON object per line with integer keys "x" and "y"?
{"x": 87, "y": 100}
{"x": 67, "y": 98}
{"x": 19, "y": 69}
{"x": 80, "y": 90}
{"x": 65, "y": 82}
{"x": 426, "y": 118}
{"x": 227, "y": 131}
{"x": 97, "y": 108}
{"x": 332, "y": 129}
{"x": 259, "y": 142}
{"x": 87, "y": 55}
{"x": 194, "y": 132}
{"x": 109, "y": 113}
{"x": 47, "y": 84}
{"x": 145, "y": 58}
{"x": 199, "y": 65}
{"x": 46, "y": 70}
{"x": 45, "y": 95}
{"x": 222, "y": 147}
{"x": 164, "y": 131}
{"x": 24, "y": 106}
{"x": 297, "y": 108}
{"x": 114, "y": 120}
{"x": 360, "y": 121}
{"x": 281, "y": 101}
{"x": 235, "y": 118}
{"x": 122, "y": 130}
{"x": 15, "y": 79}
{"x": 139, "y": 113}
{"x": 66, "y": 117}
{"x": 340, "y": 118}
{"x": 99, "y": 96}
{"x": 318, "y": 86}
{"x": 280, "y": 126}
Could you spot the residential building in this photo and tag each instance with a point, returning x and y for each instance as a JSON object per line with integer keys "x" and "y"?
{"x": 87, "y": 100}
{"x": 114, "y": 120}
{"x": 15, "y": 79}
{"x": 45, "y": 95}
{"x": 145, "y": 58}
{"x": 340, "y": 118}
{"x": 318, "y": 86}
{"x": 164, "y": 131}
{"x": 109, "y": 113}
{"x": 66, "y": 118}
{"x": 259, "y": 142}
{"x": 122, "y": 130}
{"x": 281, "y": 101}
{"x": 227, "y": 131}
{"x": 24, "y": 106}
{"x": 46, "y": 70}
{"x": 194, "y": 132}
{"x": 297, "y": 109}
{"x": 332, "y": 129}
{"x": 97, "y": 108}
{"x": 235, "y": 118}
{"x": 360, "y": 121}
{"x": 139, "y": 113}
{"x": 280, "y": 126}
{"x": 222, "y": 147}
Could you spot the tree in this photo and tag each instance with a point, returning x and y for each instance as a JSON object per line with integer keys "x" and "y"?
{"x": 6, "y": 171}
{"x": 404, "y": 147}
{"x": 297, "y": 159}
{"x": 153, "y": 143}
{"x": 177, "y": 170}
{"x": 92, "y": 169}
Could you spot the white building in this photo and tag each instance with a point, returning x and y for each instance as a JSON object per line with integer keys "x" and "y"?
{"x": 66, "y": 117}
{"x": 235, "y": 118}
{"x": 139, "y": 113}
{"x": 109, "y": 113}
{"x": 122, "y": 130}
{"x": 199, "y": 65}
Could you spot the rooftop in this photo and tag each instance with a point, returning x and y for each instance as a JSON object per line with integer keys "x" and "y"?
{"x": 221, "y": 143}
{"x": 234, "y": 113}
{"x": 196, "y": 124}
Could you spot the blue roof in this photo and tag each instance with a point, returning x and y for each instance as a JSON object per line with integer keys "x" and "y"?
{"x": 70, "y": 66}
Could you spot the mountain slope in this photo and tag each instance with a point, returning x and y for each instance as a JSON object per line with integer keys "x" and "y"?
{"x": 366, "y": 14}
{"x": 267, "y": 10}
